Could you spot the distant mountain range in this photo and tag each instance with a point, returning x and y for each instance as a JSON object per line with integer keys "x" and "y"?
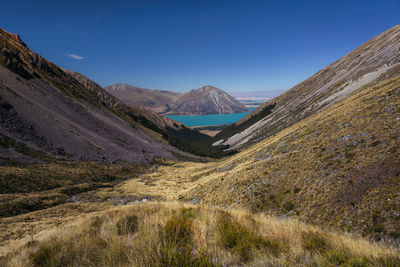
{"x": 257, "y": 95}
{"x": 201, "y": 101}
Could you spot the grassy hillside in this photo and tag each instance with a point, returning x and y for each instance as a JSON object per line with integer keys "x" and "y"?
{"x": 339, "y": 168}
{"x": 31, "y": 187}
{"x": 172, "y": 234}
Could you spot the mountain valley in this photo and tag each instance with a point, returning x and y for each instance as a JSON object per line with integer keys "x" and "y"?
{"x": 93, "y": 176}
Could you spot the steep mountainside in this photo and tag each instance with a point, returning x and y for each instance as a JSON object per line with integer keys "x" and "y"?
{"x": 156, "y": 100}
{"x": 160, "y": 123}
{"x": 206, "y": 100}
{"x": 374, "y": 61}
{"x": 339, "y": 168}
{"x": 43, "y": 108}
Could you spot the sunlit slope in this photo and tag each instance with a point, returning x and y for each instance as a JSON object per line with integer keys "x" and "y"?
{"x": 376, "y": 60}
{"x": 338, "y": 168}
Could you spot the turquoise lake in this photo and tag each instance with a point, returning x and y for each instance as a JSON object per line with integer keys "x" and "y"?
{"x": 207, "y": 120}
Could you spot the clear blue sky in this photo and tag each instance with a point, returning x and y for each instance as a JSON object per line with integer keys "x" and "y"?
{"x": 185, "y": 44}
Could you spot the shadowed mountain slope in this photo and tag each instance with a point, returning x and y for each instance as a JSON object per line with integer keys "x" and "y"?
{"x": 64, "y": 114}
{"x": 376, "y": 60}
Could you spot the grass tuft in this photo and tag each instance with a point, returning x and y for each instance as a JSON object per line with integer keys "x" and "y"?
{"x": 127, "y": 225}
{"x": 241, "y": 241}
{"x": 42, "y": 257}
{"x": 313, "y": 241}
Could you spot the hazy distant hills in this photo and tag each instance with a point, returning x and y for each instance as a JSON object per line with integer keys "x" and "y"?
{"x": 257, "y": 95}
{"x": 47, "y": 111}
{"x": 376, "y": 60}
{"x": 201, "y": 101}
{"x": 156, "y": 100}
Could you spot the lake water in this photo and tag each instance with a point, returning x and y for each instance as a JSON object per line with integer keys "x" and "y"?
{"x": 207, "y": 120}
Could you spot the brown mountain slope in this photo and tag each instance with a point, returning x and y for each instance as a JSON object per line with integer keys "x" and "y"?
{"x": 156, "y": 100}
{"x": 44, "y": 108}
{"x": 374, "y": 61}
{"x": 206, "y": 100}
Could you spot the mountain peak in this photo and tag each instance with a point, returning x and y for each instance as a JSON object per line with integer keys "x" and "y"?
{"x": 208, "y": 88}
{"x": 10, "y": 36}
{"x": 206, "y": 100}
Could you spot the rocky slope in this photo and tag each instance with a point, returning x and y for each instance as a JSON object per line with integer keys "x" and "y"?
{"x": 205, "y": 100}
{"x": 45, "y": 110}
{"x": 376, "y": 60}
{"x": 156, "y": 100}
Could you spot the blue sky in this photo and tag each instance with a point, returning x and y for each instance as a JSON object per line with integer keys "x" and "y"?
{"x": 184, "y": 44}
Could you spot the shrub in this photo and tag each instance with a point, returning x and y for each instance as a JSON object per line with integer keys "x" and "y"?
{"x": 288, "y": 206}
{"x": 378, "y": 228}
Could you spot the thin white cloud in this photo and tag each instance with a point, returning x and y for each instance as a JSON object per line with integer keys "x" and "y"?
{"x": 76, "y": 57}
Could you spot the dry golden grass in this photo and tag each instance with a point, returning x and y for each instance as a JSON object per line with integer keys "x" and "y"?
{"x": 177, "y": 234}
{"x": 35, "y": 198}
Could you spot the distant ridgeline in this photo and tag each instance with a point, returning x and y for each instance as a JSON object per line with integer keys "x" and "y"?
{"x": 201, "y": 101}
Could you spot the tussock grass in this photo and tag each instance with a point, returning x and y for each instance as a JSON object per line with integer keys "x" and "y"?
{"x": 177, "y": 234}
